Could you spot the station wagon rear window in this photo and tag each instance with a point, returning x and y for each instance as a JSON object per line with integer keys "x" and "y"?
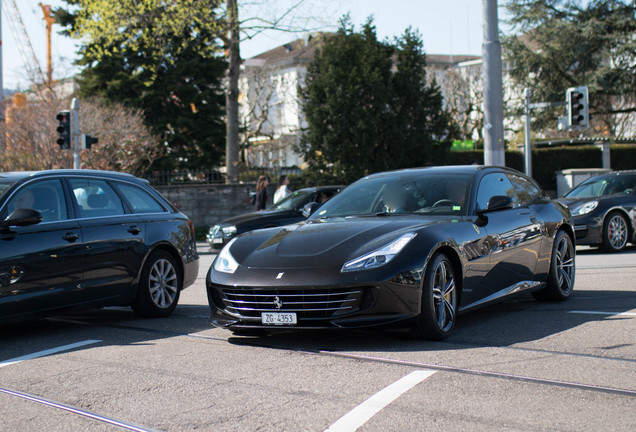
{"x": 140, "y": 200}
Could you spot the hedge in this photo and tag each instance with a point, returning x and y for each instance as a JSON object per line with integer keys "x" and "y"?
{"x": 547, "y": 161}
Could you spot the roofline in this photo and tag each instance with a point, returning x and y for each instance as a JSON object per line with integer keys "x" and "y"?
{"x": 65, "y": 171}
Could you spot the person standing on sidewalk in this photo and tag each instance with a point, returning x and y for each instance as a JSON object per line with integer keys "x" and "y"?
{"x": 261, "y": 193}
{"x": 281, "y": 190}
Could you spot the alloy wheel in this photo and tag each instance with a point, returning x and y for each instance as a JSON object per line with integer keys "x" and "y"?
{"x": 444, "y": 295}
{"x": 617, "y": 232}
{"x": 163, "y": 283}
{"x": 565, "y": 265}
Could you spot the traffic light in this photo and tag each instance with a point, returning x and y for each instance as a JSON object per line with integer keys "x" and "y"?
{"x": 64, "y": 130}
{"x": 578, "y": 108}
{"x": 87, "y": 141}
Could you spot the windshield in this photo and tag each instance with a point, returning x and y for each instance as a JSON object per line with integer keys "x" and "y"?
{"x": 401, "y": 194}
{"x": 604, "y": 186}
{"x": 294, "y": 201}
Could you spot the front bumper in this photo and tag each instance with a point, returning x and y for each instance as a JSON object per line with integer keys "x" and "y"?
{"x": 332, "y": 306}
{"x": 588, "y": 230}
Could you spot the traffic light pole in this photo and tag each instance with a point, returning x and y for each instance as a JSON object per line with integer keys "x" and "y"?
{"x": 527, "y": 144}
{"x": 75, "y": 137}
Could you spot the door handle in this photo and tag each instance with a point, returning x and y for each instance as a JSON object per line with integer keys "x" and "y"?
{"x": 134, "y": 230}
{"x": 70, "y": 237}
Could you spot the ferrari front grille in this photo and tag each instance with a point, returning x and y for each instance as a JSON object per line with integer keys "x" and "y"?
{"x": 307, "y": 303}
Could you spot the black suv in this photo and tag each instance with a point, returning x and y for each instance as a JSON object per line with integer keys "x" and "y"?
{"x": 79, "y": 239}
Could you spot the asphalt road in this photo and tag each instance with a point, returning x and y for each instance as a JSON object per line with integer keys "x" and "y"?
{"x": 520, "y": 365}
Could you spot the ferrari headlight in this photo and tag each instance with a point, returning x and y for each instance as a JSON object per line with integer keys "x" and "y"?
{"x": 225, "y": 262}
{"x": 380, "y": 256}
{"x": 585, "y": 208}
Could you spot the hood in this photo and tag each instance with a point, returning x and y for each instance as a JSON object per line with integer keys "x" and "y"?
{"x": 605, "y": 202}
{"x": 320, "y": 243}
{"x": 575, "y": 202}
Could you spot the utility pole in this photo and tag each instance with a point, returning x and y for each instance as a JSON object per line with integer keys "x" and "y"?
{"x": 75, "y": 137}
{"x": 493, "y": 87}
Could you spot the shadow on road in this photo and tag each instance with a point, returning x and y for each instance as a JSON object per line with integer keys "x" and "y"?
{"x": 112, "y": 326}
{"x": 504, "y": 324}
{"x": 509, "y": 323}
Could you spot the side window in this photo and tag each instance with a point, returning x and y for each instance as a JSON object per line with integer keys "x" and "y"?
{"x": 622, "y": 185}
{"x": 495, "y": 184}
{"x": 47, "y": 197}
{"x": 96, "y": 198}
{"x": 526, "y": 190}
{"x": 140, "y": 200}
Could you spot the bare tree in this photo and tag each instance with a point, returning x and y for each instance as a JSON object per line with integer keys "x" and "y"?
{"x": 125, "y": 142}
{"x": 463, "y": 98}
{"x": 292, "y": 18}
{"x": 267, "y": 95}
{"x": 28, "y": 137}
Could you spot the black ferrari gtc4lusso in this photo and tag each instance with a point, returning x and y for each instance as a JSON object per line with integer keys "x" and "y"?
{"x": 411, "y": 248}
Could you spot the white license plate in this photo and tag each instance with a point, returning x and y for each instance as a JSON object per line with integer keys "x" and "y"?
{"x": 217, "y": 240}
{"x": 278, "y": 318}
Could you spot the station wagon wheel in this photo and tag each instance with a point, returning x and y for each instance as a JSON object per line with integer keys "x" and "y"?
{"x": 159, "y": 286}
{"x": 439, "y": 300}
{"x": 560, "y": 282}
{"x": 615, "y": 232}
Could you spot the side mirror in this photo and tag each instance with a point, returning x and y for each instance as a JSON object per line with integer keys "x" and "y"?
{"x": 310, "y": 208}
{"x": 497, "y": 202}
{"x": 22, "y": 217}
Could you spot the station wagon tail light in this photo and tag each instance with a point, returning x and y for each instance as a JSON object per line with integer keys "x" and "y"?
{"x": 225, "y": 262}
{"x": 585, "y": 208}
{"x": 380, "y": 256}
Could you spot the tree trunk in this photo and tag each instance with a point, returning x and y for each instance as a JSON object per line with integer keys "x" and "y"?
{"x": 231, "y": 100}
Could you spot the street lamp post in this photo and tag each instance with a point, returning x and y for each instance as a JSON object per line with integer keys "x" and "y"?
{"x": 493, "y": 87}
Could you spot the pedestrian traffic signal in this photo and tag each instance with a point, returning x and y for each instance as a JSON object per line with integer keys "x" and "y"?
{"x": 578, "y": 111}
{"x": 87, "y": 141}
{"x": 64, "y": 130}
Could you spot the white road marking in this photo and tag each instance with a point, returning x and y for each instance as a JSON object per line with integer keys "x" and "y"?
{"x": 367, "y": 409}
{"x": 47, "y": 352}
{"x": 602, "y": 313}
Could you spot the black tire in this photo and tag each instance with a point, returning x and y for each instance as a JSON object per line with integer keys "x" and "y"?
{"x": 560, "y": 282}
{"x": 615, "y": 232}
{"x": 159, "y": 286}
{"x": 439, "y": 300}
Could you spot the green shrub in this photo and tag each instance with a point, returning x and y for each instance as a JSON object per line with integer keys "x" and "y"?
{"x": 547, "y": 161}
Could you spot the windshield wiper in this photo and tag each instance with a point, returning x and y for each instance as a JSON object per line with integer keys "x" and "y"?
{"x": 385, "y": 213}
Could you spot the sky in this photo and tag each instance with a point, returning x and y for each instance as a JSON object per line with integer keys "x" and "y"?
{"x": 446, "y": 26}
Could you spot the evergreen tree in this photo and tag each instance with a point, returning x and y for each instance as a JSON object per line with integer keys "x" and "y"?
{"x": 369, "y": 106}
{"x": 163, "y": 59}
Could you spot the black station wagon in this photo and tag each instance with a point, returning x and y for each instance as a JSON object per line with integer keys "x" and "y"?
{"x": 80, "y": 239}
